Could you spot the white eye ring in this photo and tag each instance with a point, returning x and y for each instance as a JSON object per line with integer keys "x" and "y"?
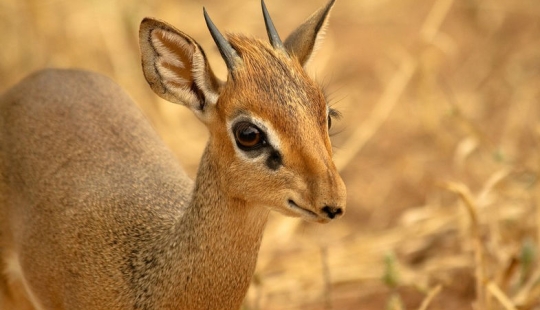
{"x": 270, "y": 136}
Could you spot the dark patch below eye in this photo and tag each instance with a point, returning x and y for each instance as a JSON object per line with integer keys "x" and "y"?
{"x": 274, "y": 160}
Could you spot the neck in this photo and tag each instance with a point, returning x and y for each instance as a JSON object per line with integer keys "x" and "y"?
{"x": 219, "y": 240}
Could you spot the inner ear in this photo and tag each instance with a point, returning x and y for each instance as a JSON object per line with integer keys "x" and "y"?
{"x": 176, "y": 67}
{"x": 174, "y": 63}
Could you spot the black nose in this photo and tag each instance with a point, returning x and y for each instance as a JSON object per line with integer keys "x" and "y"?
{"x": 332, "y": 212}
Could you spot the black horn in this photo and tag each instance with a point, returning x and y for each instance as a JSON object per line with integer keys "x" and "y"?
{"x": 271, "y": 30}
{"x": 225, "y": 49}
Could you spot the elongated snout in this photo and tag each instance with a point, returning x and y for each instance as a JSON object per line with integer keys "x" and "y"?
{"x": 322, "y": 190}
{"x": 330, "y": 194}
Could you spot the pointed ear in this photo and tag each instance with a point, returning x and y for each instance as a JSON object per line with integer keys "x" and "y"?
{"x": 176, "y": 67}
{"x": 305, "y": 39}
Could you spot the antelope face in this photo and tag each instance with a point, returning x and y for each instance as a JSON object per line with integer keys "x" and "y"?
{"x": 268, "y": 122}
{"x": 277, "y": 120}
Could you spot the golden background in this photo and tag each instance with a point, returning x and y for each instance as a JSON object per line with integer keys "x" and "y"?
{"x": 438, "y": 145}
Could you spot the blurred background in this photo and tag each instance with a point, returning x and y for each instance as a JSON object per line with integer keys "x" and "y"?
{"x": 438, "y": 144}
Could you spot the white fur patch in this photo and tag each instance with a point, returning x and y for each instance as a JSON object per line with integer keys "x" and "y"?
{"x": 199, "y": 71}
{"x": 169, "y": 75}
{"x": 167, "y": 54}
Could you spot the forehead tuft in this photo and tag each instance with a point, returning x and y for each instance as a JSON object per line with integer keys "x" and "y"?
{"x": 273, "y": 79}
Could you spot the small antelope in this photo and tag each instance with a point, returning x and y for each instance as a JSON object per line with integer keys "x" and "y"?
{"x": 95, "y": 211}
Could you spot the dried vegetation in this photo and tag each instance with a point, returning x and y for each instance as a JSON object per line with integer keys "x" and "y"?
{"x": 439, "y": 143}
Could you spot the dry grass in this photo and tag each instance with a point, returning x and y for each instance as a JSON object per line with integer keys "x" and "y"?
{"x": 439, "y": 145}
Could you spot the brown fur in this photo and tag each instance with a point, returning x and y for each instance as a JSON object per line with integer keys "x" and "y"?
{"x": 95, "y": 212}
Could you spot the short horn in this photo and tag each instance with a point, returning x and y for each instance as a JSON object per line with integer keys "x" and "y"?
{"x": 271, "y": 30}
{"x": 225, "y": 49}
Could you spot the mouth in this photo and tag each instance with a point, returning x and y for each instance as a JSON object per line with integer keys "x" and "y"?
{"x": 305, "y": 212}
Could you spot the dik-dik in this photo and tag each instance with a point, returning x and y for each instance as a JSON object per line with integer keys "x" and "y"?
{"x": 95, "y": 211}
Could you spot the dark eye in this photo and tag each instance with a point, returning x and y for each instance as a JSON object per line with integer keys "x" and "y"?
{"x": 248, "y": 136}
{"x": 332, "y": 113}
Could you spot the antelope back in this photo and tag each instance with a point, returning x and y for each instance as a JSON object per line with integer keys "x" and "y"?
{"x": 85, "y": 183}
{"x": 268, "y": 121}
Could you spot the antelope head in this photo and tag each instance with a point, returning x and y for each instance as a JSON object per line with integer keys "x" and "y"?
{"x": 268, "y": 121}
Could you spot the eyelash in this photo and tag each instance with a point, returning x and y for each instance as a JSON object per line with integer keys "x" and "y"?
{"x": 333, "y": 113}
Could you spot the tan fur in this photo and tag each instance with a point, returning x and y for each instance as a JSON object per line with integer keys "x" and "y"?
{"x": 95, "y": 212}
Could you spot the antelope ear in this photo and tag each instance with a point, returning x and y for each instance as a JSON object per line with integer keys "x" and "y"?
{"x": 176, "y": 67}
{"x": 305, "y": 39}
